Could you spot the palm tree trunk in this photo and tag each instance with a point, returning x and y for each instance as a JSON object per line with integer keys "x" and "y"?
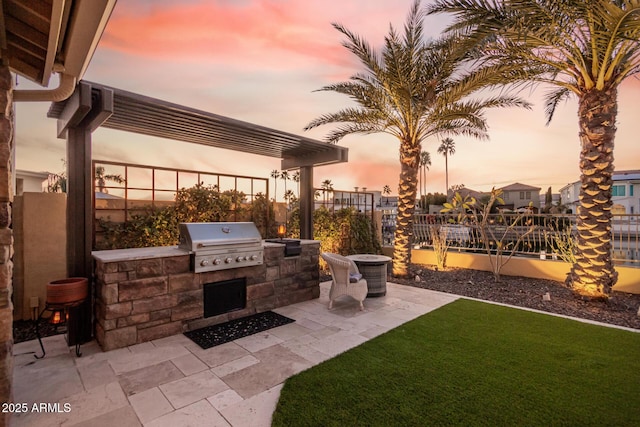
{"x": 593, "y": 274}
{"x": 419, "y": 190}
{"x": 424, "y": 177}
{"x": 409, "y": 158}
{"x": 446, "y": 174}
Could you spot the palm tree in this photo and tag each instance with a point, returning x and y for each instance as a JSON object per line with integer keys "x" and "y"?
{"x": 413, "y": 89}
{"x": 425, "y": 162}
{"x": 327, "y": 186}
{"x": 101, "y": 179}
{"x": 275, "y": 174}
{"x": 296, "y": 179}
{"x": 289, "y": 195}
{"x": 583, "y": 49}
{"x": 284, "y": 175}
{"x": 447, "y": 148}
{"x": 386, "y": 190}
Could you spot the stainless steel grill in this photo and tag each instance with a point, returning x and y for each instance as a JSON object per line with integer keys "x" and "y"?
{"x": 221, "y": 245}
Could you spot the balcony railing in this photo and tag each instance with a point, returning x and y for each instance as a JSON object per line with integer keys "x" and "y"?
{"x": 551, "y": 237}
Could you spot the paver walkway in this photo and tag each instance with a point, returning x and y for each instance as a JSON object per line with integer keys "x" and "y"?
{"x": 173, "y": 382}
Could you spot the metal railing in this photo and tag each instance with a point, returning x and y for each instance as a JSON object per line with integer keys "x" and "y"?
{"x": 334, "y": 200}
{"x": 552, "y": 235}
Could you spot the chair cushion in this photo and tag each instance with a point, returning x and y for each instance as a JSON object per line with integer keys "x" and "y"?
{"x": 354, "y": 277}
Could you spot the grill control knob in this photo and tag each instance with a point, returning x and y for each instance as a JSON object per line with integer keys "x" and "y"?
{"x": 240, "y": 258}
{"x": 253, "y": 257}
{"x": 217, "y": 261}
{"x": 204, "y": 262}
{"x": 228, "y": 260}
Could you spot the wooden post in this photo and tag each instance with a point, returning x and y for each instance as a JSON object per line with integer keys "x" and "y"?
{"x": 306, "y": 202}
{"x": 86, "y": 110}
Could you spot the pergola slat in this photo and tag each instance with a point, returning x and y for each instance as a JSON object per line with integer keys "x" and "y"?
{"x": 149, "y": 116}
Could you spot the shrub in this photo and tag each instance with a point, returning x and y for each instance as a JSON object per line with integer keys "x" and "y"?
{"x": 498, "y": 241}
{"x": 344, "y": 231}
{"x": 440, "y": 242}
{"x": 202, "y": 203}
{"x": 262, "y": 214}
{"x": 153, "y": 227}
{"x": 159, "y": 226}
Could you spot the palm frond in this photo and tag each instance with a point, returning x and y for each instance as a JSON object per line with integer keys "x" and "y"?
{"x": 360, "y": 48}
{"x": 575, "y": 45}
{"x": 353, "y": 128}
{"x": 552, "y": 99}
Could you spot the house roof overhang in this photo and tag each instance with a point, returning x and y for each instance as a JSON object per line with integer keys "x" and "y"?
{"x": 144, "y": 115}
{"x": 38, "y": 38}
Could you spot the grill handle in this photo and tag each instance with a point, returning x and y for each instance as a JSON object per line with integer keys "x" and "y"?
{"x": 226, "y": 242}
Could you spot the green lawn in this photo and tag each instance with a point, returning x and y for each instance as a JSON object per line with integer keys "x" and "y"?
{"x": 471, "y": 363}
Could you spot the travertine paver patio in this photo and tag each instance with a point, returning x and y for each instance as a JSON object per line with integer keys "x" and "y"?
{"x": 173, "y": 382}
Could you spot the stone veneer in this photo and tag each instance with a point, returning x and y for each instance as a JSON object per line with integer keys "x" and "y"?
{"x": 6, "y": 236}
{"x": 150, "y": 293}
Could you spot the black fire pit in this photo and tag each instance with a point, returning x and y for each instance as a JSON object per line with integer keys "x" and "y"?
{"x": 292, "y": 246}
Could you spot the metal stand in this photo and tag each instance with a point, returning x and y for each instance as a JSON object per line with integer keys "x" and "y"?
{"x": 65, "y": 310}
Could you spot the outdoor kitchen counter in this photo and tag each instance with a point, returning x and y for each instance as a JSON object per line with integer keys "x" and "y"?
{"x": 117, "y": 255}
{"x": 302, "y": 242}
{"x": 144, "y": 294}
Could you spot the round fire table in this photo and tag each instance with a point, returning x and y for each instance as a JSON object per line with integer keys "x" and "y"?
{"x": 374, "y": 270}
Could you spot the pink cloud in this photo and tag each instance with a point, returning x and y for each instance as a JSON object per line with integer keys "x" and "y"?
{"x": 256, "y": 31}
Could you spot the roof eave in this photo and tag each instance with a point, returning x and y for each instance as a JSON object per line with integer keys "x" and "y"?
{"x": 85, "y": 28}
{"x": 74, "y": 30}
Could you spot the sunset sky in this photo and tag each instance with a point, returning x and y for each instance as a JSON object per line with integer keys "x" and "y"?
{"x": 261, "y": 61}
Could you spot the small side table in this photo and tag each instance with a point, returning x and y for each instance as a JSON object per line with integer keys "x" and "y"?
{"x": 374, "y": 270}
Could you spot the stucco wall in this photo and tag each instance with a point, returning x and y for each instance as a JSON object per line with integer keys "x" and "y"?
{"x": 40, "y": 248}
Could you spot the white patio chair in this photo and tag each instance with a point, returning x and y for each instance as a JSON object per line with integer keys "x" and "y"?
{"x": 346, "y": 279}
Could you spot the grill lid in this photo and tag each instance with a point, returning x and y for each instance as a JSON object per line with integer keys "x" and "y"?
{"x": 198, "y": 236}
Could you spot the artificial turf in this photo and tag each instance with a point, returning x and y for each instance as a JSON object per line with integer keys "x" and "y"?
{"x": 471, "y": 363}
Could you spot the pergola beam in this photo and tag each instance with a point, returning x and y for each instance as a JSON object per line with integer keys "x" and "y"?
{"x": 341, "y": 154}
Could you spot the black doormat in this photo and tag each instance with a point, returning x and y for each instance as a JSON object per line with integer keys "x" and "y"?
{"x": 214, "y": 335}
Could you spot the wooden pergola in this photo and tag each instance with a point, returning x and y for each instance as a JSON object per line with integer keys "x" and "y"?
{"x": 94, "y": 105}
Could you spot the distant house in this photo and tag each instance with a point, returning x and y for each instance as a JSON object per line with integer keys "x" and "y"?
{"x": 519, "y": 195}
{"x": 30, "y": 182}
{"x": 466, "y": 192}
{"x": 569, "y": 196}
{"x": 625, "y": 193}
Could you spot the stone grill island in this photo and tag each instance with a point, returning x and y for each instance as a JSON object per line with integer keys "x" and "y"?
{"x": 150, "y": 293}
